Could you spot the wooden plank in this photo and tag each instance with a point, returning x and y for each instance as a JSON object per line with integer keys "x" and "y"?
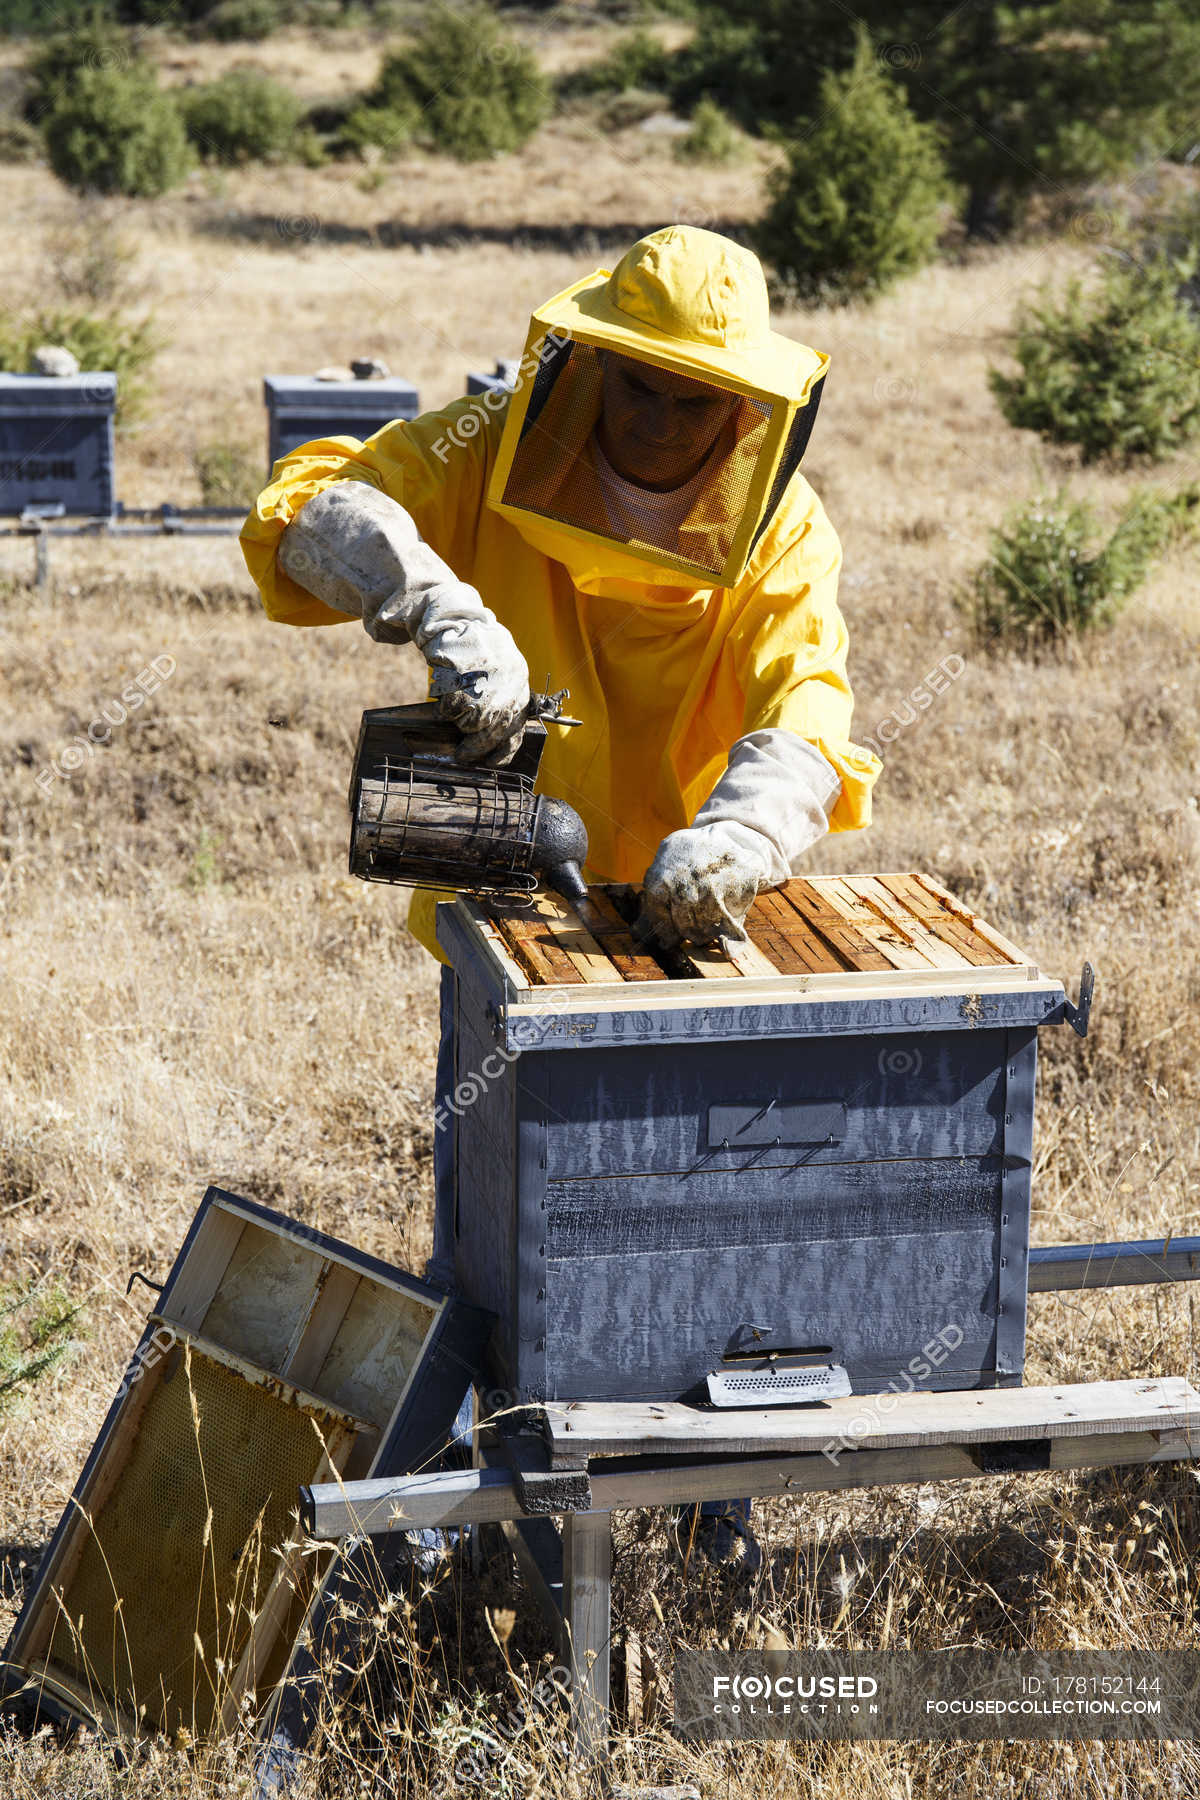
{"x": 537, "y": 1546}
{"x": 787, "y": 939}
{"x": 192, "y": 1293}
{"x": 883, "y": 988}
{"x": 711, "y": 963}
{"x": 748, "y": 957}
{"x": 880, "y": 899}
{"x": 874, "y": 1421}
{"x": 572, "y": 935}
{"x": 923, "y": 905}
{"x": 634, "y": 1690}
{"x": 979, "y": 927}
{"x": 336, "y": 1288}
{"x": 587, "y": 1617}
{"x": 632, "y": 960}
{"x": 541, "y": 1488}
{"x": 533, "y": 946}
{"x": 489, "y": 939}
{"x": 898, "y": 948}
{"x": 831, "y": 925}
{"x": 473, "y": 1496}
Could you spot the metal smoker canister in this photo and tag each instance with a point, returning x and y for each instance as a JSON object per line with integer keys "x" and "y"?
{"x": 420, "y": 818}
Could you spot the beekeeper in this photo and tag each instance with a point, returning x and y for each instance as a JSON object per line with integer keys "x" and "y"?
{"x": 632, "y": 525}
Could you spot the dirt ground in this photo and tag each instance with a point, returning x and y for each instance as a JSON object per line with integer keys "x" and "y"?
{"x": 195, "y": 992}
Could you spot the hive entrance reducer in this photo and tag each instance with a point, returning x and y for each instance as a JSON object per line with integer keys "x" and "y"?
{"x": 420, "y": 818}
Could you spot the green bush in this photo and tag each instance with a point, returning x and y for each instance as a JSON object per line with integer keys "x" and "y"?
{"x": 244, "y": 20}
{"x": 55, "y": 70}
{"x": 35, "y": 1334}
{"x": 712, "y": 138}
{"x": 1043, "y": 579}
{"x": 228, "y": 474}
{"x": 858, "y": 202}
{"x": 110, "y": 130}
{"x": 1044, "y": 92}
{"x": 20, "y": 142}
{"x": 389, "y": 129}
{"x": 635, "y": 61}
{"x": 477, "y": 92}
{"x": 106, "y": 340}
{"x": 1114, "y": 369}
{"x": 241, "y": 117}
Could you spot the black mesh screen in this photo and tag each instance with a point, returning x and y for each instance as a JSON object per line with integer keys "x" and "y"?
{"x": 793, "y": 454}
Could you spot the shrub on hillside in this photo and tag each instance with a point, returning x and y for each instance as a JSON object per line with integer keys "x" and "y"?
{"x": 107, "y": 126}
{"x": 38, "y": 1322}
{"x": 1044, "y": 579}
{"x": 20, "y": 142}
{"x": 711, "y": 138}
{"x": 241, "y": 117}
{"x": 635, "y": 61}
{"x": 476, "y": 91}
{"x": 389, "y": 129}
{"x": 1114, "y": 369}
{"x": 858, "y": 202}
{"x": 117, "y": 134}
{"x": 231, "y": 21}
{"x": 54, "y": 70}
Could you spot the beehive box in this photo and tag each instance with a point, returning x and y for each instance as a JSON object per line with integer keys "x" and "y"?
{"x": 56, "y": 443}
{"x": 301, "y": 408}
{"x": 175, "y": 1586}
{"x": 820, "y": 1143}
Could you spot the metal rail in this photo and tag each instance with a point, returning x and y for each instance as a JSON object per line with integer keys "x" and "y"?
{"x": 1135, "y": 1263}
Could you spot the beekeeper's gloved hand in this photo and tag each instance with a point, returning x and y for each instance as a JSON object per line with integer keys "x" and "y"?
{"x": 358, "y": 550}
{"x": 770, "y": 806}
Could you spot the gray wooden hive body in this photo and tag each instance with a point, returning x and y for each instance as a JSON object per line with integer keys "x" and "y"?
{"x": 654, "y": 1176}
{"x": 57, "y": 444}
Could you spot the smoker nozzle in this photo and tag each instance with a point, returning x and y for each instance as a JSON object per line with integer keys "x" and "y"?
{"x": 560, "y": 847}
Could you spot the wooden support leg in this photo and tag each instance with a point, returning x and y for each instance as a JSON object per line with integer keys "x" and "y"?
{"x": 587, "y": 1594}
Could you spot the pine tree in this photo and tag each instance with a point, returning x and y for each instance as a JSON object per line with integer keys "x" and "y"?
{"x": 1030, "y": 95}
{"x": 859, "y": 201}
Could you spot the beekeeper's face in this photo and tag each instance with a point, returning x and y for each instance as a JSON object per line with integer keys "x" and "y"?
{"x": 656, "y": 426}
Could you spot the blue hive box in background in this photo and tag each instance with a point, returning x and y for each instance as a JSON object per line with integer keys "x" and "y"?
{"x": 56, "y": 444}
{"x": 819, "y": 1145}
{"x": 501, "y": 381}
{"x": 301, "y": 408}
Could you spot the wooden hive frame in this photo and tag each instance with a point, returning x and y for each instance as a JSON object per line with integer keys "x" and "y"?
{"x": 275, "y": 1356}
{"x": 887, "y": 934}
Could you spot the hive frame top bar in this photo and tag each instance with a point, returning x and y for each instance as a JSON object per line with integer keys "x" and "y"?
{"x": 754, "y": 998}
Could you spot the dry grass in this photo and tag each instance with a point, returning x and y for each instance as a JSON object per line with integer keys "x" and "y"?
{"x": 195, "y": 992}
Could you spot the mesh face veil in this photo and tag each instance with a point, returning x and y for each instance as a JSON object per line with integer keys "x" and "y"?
{"x": 659, "y": 444}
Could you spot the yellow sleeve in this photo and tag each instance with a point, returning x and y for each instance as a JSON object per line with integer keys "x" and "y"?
{"x": 434, "y": 468}
{"x": 791, "y": 644}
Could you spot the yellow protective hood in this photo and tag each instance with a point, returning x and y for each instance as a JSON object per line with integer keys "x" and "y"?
{"x": 694, "y": 304}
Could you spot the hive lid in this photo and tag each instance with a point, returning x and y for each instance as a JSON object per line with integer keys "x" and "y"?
{"x": 93, "y": 391}
{"x": 884, "y": 948}
{"x": 275, "y": 1356}
{"x": 336, "y": 396}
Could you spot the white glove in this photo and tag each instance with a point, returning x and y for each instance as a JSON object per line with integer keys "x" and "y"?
{"x": 770, "y": 806}
{"x": 357, "y": 549}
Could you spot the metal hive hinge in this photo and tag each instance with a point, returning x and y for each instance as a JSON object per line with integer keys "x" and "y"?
{"x": 1076, "y": 1015}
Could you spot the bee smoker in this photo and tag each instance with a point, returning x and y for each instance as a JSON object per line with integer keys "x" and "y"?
{"x": 422, "y": 819}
